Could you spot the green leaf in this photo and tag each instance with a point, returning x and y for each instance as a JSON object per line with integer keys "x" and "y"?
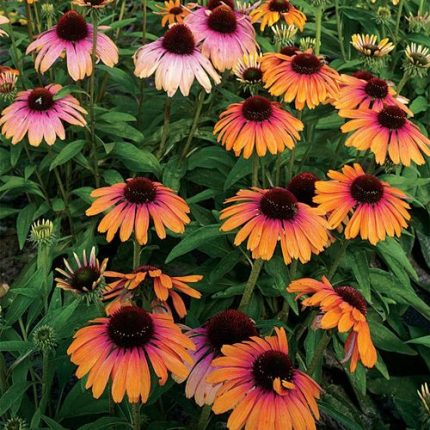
{"x": 23, "y": 223}
{"x": 173, "y": 172}
{"x": 360, "y": 268}
{"x": 53, "y": 425}
{"x": 419, "y": 105}
{"x": 424, "y": 340}
{"x": 386, "y": 340}
{"x": 67, "y": 153}
{"x": 104, "y": 423}
{"x": 194, "y": 239}
{"x": 241, "y": 169}
{"x": 13, "y": 396}
{"x": 135, "y": 159}
{"x": 425, "y": 246}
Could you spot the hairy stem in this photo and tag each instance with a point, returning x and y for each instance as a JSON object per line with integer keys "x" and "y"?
{"x": 250, "y": 285}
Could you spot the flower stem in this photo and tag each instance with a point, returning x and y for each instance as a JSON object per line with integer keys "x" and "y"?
{"x": 166, "y": 126}
{"x": 198, "y": 111}
{"x": 29, "y": 18}
{"x": 278, "y": 169}
{"x": 338, "y": 258}
{"x": 402, "y": 82}
{"x": 319, "y": 352}
{"x": 65, "y": 199}
{"x": 421, "y": 8}
{"x": 39, "y": 178}
{"x": 204, "y": 417}
{"x": 340, "y": 30}
{"x": 399, "y": 16}
{"x": 318, "y": 28}
{"x": 289, "y": 173}
{"x": 255, "y": 166}
{"x": 135, "y": 407}
{"x": 250, "y": 285}
{"x": 92, "y": 101}
{"x": 144, "y": 21}
{"x": 136, "y": 254}
{"x": 45, "y": 382}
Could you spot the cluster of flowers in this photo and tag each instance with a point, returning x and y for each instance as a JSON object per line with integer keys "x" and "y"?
{"x": 225, "y": 362}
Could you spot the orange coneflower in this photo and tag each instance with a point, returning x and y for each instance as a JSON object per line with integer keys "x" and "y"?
{"x": 274, "y": 215}
{"x": 8, "y": 79}
{"x": 377, "y": 208}
{"x": 165, "y": 287}
{"x": 386, "y": 132}
{"x": 172, "y": 12}
{"x": 257, "y": 125}
{"x": 342, "y": 307}
{"x": 303, "y": 77}
{"x": 86, "y": 278}
{"x": 369, "y": 46}
{"x": 261, "y": 386}
{"x": 225, "y": 328}
{"x": 132, "y": 204}
{"x": 373, "y": 93}
{"x": 271, "y": 11}
{"x": 120, "y": 347}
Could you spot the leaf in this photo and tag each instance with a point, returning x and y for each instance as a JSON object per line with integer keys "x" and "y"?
{"x": 424, "y": 340}
{"x": 360, "y": 268}
{"x": 425, "y": 246}
{"x": 194, "y": 239}
{"x": 53, "y": 425}
{"x": 135, "y": 159}
{"x": 241, "y": 169}
{"x": 173, "y": 172}
{"x": 23, "y": 223}
{"x": 13, "y": 396}
{"x": 67, "y": 153}
{"x": 386, "y": 340}
{"x": 419, "y": 105}
{"x": 103, "y": 423}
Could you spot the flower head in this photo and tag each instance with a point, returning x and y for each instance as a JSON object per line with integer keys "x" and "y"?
{"x": 373, "y": 93}
{"x": 133, "y": 204}
{"x": 342, "y": 307}
{"x": 172, "y": 12}
{"x": 424, "y": 396}
{"x": 248, "y": 71}
{"x": 73, "y": 36}
{"x": 42, "y": 232}
{"x": 44, "y": 338}
{"x": 274, "y": 215}
{"x": 257, "y": 125}
{"x": 303, "y": 77}
{"x": 15, "y": 423}
{"x": 95, "y": 4}
{"x": 369, "y": 46}
{"x": 176, "y": 61}
{"x": 271, "y": 11}
{"x": 40, "y": 114}
{"x": 225, "y": 328}
{"x": 417, "y": 60}
{"x": 376, "y": 209}
{"x": 284, "y": 35}
{"x": 419, "y": 23}
{"x": 303, "y": 187}
{"x": 387, "y": 132}
{"x": 166, "y": 288}
{"x": 224, "y": 35}
{"x": 121, "y": 347}
{"x": 8, "y": 79}
{"x": 262, "y": 387}
{"x": 86, "y": 278}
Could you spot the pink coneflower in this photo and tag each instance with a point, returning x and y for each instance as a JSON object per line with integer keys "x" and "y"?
{"x": 3, "y": 20}
{"x": 73, "y": 36}
{"x": 39, "y": 114}
{"x": 225, "y": 328}
{"x": 176, "y": 62}
{"x": 225, "y": 35}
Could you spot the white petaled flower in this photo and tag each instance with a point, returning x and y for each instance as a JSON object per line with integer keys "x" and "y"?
{"x": 417, "y": 60}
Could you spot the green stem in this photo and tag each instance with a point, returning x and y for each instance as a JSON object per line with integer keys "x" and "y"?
{"x": 399, "y": 16}
{"x": 198, "y": 110}
{"x": 65, "y": 199}
{"x": 136, "y": 254}
{"x": 319, "y": 352}
{"x": 402, "y": 82}
{"x": 166, "y": 127}
{"x": 39, "y": 178}
{"x": 318, "y": 28}
{"x": 255, "y": 166}
{"x": 340, "y": 30}
{"x": 293, "y": 270}
{"x": 135, "y": 408}
{"x": 338, "y": 258}
{"x": 144, "y": 21}
{"x": 421, "y": 8}
{"x": 278, "y": 169}
{"x": 29, "y": 21}
{"x": 204, "y": 418}
{"x": 250, "y": 285}
{"x": 45, "y": 382}
{"x": 3, "y": 373}
{"x": 92, "y": 101}
{"x": 289, "y": 173}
